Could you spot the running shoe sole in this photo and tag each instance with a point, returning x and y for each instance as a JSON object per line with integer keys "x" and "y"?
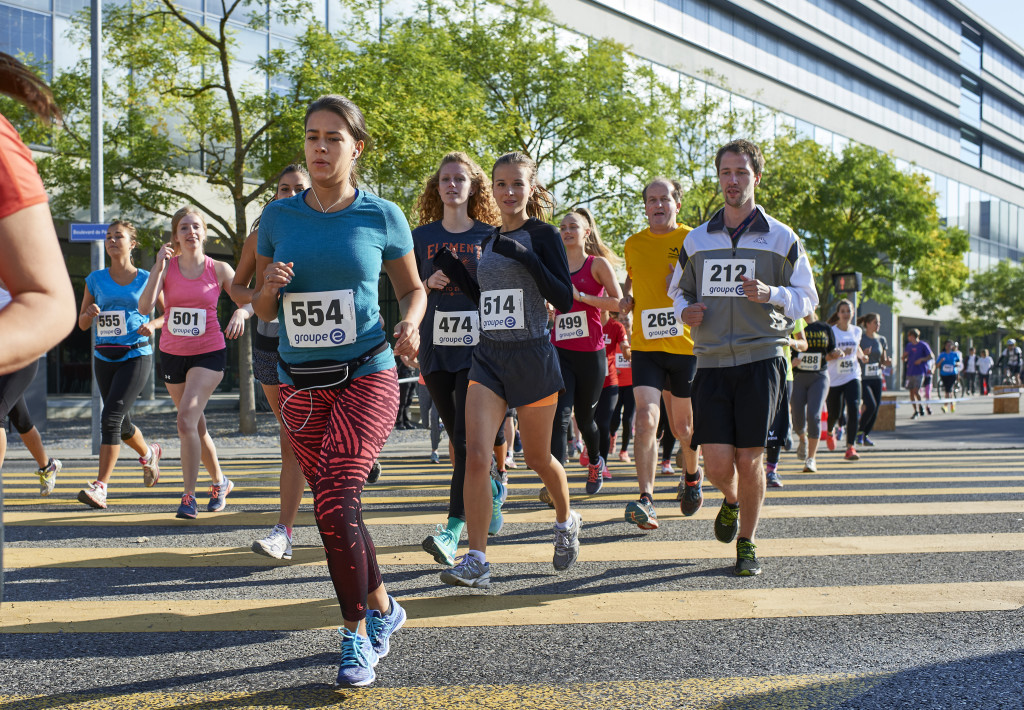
{"x": 219, "y": 505}
{"x": 259, "y": 549}
{"x": 431, "y": 547}
{"x": 636, "y": 514}
{"x": 478, "y": 583}
{"x": 151, "y": 470}
{"x": 84, "y": 497}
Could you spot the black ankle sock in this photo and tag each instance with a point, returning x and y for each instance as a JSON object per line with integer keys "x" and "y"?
{"x": 692, "y": 477}
{"x": 647, "y": 497}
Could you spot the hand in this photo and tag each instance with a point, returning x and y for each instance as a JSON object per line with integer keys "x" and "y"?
{"x": 437, "y": 280}
{"x": 163, "y": 256}
{"x": 236, "y": 326}
{"x": 755, "y": 290}
{"x": 145, "y": 329}
{"x": 834, "y": 354}
{"x": 92, "y": 311}
{"x": 508, "y": 247}
{"x": 694, "y": 314}
{"x": 407, "y": 340}
{"x": 277, "y": 275}
{"x": 626, "y": 304}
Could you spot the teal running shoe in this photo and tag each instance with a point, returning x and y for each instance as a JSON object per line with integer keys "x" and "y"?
{"x": 442, "y": 546}
{"x": 498, "y": 494}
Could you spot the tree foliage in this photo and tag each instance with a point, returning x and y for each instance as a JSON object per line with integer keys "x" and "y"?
{"x": 993, "y": 300}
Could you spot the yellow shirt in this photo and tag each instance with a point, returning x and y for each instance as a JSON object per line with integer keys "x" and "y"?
{"x": 650, "y": 261}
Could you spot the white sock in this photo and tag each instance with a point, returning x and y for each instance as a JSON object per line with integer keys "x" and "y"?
{"x": 480, "y": 557}
{"x": 565, "y": 525}
{"x": 150, "y": 454}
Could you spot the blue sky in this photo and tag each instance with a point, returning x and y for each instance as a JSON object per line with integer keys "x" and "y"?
{"x": 1002, "y": 15}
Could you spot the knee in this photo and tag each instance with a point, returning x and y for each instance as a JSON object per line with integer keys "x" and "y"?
{"x": 537, "y": 460}
{"x": 188, "y": 420}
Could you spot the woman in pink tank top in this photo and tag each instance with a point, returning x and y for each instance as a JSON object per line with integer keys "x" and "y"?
{"x": 579, "y": 339}
{"x": 192, "y": 347}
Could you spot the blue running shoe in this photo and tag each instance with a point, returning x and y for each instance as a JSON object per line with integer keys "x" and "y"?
{"x": 219, "y": 494}
{"x": 594, "y": 477}
{"x": 468, "y": 572}
{"x": 188, "y": 508}
{"x": 498, "y": 494}
{"x": 379, "y": 627}
{"x": 357, "y": 661}
{"x": 442, "y": 546}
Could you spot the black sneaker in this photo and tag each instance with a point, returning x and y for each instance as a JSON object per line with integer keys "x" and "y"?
{"x": 746, "y": 559}
{"x": 691, "y": 498}
{"x": 727, "y": 522}
{"x": 374, "y": 474}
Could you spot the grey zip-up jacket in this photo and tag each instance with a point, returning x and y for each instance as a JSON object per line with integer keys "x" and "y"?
{"x": 736, "y": 330}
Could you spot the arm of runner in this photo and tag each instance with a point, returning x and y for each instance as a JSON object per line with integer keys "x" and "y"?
{"x": 679, "y": 301}
{"x": 601, "y": 270}
{"x": 271, "y": 278}
{"x": 549, "y": 267}
{"x": 240, "y": 292}
{"x": 626, "y": 304}
{"x": 412, "y": 303}
{"x": 800, "y": 297}
{"x": 452, "y": 268}
{"x": 89, "y": 310}
{"x": 155, "y": 284}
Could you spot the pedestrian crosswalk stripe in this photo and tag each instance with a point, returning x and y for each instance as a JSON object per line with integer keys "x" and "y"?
{"x": 466, "y": 610}
{"x": 235, "y": 518}
{"x": 643, "y": 550}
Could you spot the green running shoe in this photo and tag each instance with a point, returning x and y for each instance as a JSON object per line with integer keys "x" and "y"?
{"x": 727, "y": 522}
{"x": 442, "y": 546}
{"x": 746, "y": 559}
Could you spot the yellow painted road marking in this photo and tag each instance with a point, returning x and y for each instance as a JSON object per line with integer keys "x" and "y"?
{"x": 370, "y": 499}
{"x": 645, "y": 550}
{"x": 267, "y": 518}
{"x": 137, "y": 616}
{"x": 781, "y": 692}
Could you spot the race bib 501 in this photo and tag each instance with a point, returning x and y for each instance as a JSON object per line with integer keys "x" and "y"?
{"x": 186, "y": 322}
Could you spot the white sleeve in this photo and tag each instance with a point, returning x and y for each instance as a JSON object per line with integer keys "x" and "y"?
{"x": 676, "y": 294}
{"x": 799, "y": 298}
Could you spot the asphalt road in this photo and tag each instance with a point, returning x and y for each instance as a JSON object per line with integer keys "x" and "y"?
{"x": 894, "y": 582}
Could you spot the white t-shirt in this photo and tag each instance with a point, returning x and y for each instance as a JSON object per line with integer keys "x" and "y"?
{"x": 985, "y": 364}
{"x": 846, "y": 368}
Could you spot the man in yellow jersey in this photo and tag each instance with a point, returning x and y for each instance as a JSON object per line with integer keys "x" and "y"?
{"x": 663, "y": 361}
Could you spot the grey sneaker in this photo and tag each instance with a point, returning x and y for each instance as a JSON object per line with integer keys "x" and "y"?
{"x": 567, "y": 543}
{"x": 278, "y": 544}
{"x": 801, "y": 449}
{"x": 468, "y": 572}
{"x": 48, "y": 476}
{"x": 545, "y": 498}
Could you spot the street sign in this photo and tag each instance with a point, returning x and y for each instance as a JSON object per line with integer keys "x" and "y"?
{"x": 89, "y": 232}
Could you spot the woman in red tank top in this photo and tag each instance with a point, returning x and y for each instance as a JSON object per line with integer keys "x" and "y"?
{"x": 579, "y": 339}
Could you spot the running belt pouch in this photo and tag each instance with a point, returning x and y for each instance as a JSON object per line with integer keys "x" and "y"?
{"x": 328, "y": 374}
{"x": 114, "y": 352}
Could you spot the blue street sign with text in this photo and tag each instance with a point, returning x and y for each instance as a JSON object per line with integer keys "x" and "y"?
{"x": 88, "y": 232}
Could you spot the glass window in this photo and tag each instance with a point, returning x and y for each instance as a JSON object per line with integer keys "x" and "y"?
{"x": 251, "y": 45}
{"x": 970, "y": 48}
{"x": 43, "y": 5}
{"x": 70, "y": 7}
{"x": 22, "y": 31}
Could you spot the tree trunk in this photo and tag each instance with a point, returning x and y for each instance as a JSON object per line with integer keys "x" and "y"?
{"x": 246, "y": 396}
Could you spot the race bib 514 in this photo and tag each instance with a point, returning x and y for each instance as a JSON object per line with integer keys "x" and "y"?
{"x": 502, "y": 309}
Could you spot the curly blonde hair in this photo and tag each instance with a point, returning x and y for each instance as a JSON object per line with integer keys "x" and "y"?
{"x": 481, "y": 205}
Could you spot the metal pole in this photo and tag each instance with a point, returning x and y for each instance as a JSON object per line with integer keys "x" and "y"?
{"x": 96, "y": 203}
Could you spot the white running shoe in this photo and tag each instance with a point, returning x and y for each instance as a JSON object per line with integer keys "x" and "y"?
{"x": 810, "y": 466}
{"x": 567, "y": 543}
{"x": 151, "y": 468}
{"x": 48, "y": 476}
{"x": 95, "y": 496}
{"x": 278, "y": 544}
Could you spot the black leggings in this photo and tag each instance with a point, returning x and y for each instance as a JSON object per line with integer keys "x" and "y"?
{"x": 120, "y": 384}
{"x": 448, "y": 392}
{"x": 850, "y": 394}
{"x": 872, "y": 389}
{"x": 665, "y": 435}
{"x": 603, "y": 417}
{"x": 583, "y": 374}
{"x": 12, "y": 389}
{"x": 624, "y": 415}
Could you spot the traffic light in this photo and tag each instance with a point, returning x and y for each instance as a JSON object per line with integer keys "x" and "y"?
{"x": 847, "y": 281}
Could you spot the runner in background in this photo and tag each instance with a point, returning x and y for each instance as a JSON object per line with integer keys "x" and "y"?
{"x": 278, "y": 542}
{"x": 971, "y": 372}
{"x": 457, "y": 212}
{"x": 193, "y": 352}
{"x": 947, "y": 367}
{"x": 663, "y": 360}
{"x": 985, "y": 365}
{"x": 810, "y": 387}
{"x": 877, "y": 350}
{"x": 779, "y": 431}
{"x": 916, "y": 354}
{"x": 844, "y": 377}
{"x": 579, "y": 340}
{"x": 123, "y": 357}
{"x": 624, "y": 409}
{"x": 615, "y": 344}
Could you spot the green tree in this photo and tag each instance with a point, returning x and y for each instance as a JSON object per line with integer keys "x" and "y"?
{"x": 858, "y": 212}
{"x": 993, "y": 300}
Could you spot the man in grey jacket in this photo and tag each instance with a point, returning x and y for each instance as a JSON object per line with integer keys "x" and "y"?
{"x": 741, "y": 282}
